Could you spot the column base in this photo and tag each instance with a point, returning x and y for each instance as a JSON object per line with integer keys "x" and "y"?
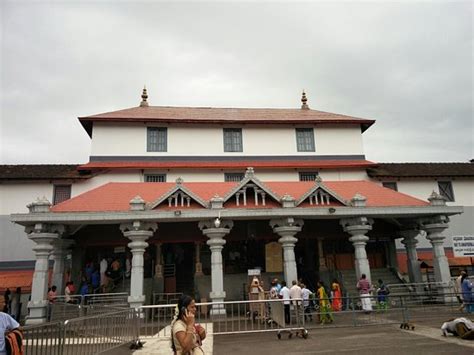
{"x": 217, "y": 310}
{"x": 38, "y": 312}
{"x": 136, "y": 301}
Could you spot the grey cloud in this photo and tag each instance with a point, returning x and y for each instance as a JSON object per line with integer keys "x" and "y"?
{"x": 408, "y": 65}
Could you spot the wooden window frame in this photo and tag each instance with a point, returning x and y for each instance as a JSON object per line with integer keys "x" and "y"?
{"x": 305, "y": 140}
{"x": 158, "y": 143}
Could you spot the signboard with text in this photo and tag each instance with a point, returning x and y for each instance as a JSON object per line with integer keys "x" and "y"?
{"x": 463, "y": 245}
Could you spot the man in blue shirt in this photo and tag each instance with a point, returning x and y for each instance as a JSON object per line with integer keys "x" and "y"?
{"x": 7, "y": 323}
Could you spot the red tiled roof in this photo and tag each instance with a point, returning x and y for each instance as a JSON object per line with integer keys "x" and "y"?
{"x": 400, "y": 170}
{"x": 277, "y": 164}
{"x": 16, "y": 278}
{"x": 222, "y": 115}
{"x": 116, "y": 196}
{"x": 42, "y": 172}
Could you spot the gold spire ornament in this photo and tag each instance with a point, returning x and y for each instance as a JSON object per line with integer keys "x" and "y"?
{"x": 304, "y": 100}
{"x": 144, "y": 102}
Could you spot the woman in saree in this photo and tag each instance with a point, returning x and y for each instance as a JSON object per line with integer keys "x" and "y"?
{"x": 325, "y": 315}
{"x": 336, "y": 296}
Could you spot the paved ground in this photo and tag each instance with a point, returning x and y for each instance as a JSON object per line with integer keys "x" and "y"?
{"x": 385, "y": 340}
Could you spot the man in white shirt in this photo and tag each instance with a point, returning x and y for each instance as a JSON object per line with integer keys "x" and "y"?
{"x": 305, "y": 293}
{"x": 7, "y": 323}
{"x": 285, "y": 295}
{"x": 103, "y": 269}
{"x": 295, "y": 292}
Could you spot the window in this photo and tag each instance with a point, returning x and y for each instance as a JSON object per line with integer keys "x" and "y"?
{"x": 61, "y": 193}
{"x": 157, "y": 140}
{"x": 305, "y": 140}
{"x": 390, "y": 185}
{"x": 231, "y": 177}
{"x": 155, "y": 177}
{"x": 446, "y": 190}
{"x": 233, "y": 140}
{"x": 308, "y": 176}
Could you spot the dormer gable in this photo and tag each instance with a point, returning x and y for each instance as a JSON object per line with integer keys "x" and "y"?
{"x": 321, "y": 195}
{"x": 178, "y": 197}
{"x": 251, "y": 192}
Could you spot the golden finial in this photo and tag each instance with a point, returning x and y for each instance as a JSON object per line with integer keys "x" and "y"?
{"x": 304, "y": 100}
{"x": 144, "y": 102}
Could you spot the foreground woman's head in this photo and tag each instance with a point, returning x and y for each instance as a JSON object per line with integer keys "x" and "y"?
{"x": 186, "y": 303}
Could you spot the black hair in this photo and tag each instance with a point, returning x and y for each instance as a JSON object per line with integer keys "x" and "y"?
{"x": 283, "y": 284}
{"x": 183, "y": 304}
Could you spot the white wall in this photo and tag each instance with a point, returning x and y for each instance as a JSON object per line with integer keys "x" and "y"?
{"x": 422, "y": 189}
{"x": 130, "y": 139}
{"x": 15, "y": 197}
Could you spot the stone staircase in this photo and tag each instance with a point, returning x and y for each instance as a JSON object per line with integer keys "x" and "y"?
{"x": 349, "y": 279}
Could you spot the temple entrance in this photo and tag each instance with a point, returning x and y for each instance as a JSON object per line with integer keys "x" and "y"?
{"x": 178, "y": 269}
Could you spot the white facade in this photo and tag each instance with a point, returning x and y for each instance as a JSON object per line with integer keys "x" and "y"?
{"x": 193, "y": 140}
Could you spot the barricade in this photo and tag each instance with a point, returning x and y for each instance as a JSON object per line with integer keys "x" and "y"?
{"x": 43, "y": 339}
{"x": 83, "y": 335}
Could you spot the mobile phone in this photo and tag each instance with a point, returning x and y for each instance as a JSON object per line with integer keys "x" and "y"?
{"x": 184, "y": 311}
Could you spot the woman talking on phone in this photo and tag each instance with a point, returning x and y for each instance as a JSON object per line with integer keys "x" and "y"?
{"x": 187, "y": 336}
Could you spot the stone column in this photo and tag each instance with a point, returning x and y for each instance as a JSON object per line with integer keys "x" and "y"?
{"x": 138, "y": 232}
{"x": 59, "y": 254}
{"x": 322, "y": 259}
{"x": 159, "y": 262}
{"x": 198, "y": 271}
{"x": 44, "y": 236}
{"x": 434, "y": 228}
{"x": 215, "y": 230}
{"x": 410, "y": 242}
{"x": 287, "y": 228}
{"x": 357, "y": 227}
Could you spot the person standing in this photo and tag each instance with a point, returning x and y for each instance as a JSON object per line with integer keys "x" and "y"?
{"x": 51, "y": 300}
{"x": 103, "y": 269}
{"x": 364, "y": 287}
{"x": 67, "y": 292}
{"x": 15, "y": 304}
{"x": 466, "y": 289}
{"x": 336, "y": 296}
{"x": 274, "y": 290}
{"x": 305, "y": 294}
{"x": 382, "y": 293}
{"x": 325, "y": 315}
{"x": 458, "y": 288}
{"x": 6, "y": 301}
{"x": 7, "y": 323}
{"x": 285, "y": 296}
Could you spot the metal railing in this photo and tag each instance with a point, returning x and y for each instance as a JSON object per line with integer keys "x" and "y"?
{"x": 83, "y": 335}
{"x": 166, "y": 298}
{"x": 89, "y": 304}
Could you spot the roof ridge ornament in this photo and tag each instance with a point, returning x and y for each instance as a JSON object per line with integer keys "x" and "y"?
{"x": 249, "y": 172}
{"x": 358, "y": 200}
{"x": 179, "y": 181}
{"x": 304, "y": 101}
{"x": 144, "y": 102}
{"x": 436, "y": 199}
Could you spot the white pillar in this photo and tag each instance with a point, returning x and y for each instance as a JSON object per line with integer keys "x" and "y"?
{"x": 138, "y": 232}
{"x": 44, "y": 236}
{"x": 434, "y": 228}
{"x": 215, "y": 231}
{"x": 410, "y": 242}
{"x": 357, "y": 227}
{"x": 287, "y": 228}
{"x": 59, "y": 254}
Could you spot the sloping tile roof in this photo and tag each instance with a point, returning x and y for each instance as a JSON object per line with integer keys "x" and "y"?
{"x": 116, "y": 196}
{"x": 222, "y": 115}
{"x": 42, "y": 172}
{"x": 422, "y": 170}
{"x": 229, "y": 164}
{"x": 16, "y": 278}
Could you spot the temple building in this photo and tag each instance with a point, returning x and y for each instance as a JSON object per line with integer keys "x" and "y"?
{"x": 199, "y": 196}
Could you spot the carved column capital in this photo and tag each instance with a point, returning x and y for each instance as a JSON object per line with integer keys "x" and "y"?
{"x": 357, "y": 225}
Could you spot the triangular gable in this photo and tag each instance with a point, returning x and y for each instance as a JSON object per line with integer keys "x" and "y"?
{"x": 260, "y": 190}
{"x": 178, "y": 196}
{"x": 320, "y": 195}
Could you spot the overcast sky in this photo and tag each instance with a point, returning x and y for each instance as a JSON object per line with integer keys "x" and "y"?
{"x": 408, "y": 65}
